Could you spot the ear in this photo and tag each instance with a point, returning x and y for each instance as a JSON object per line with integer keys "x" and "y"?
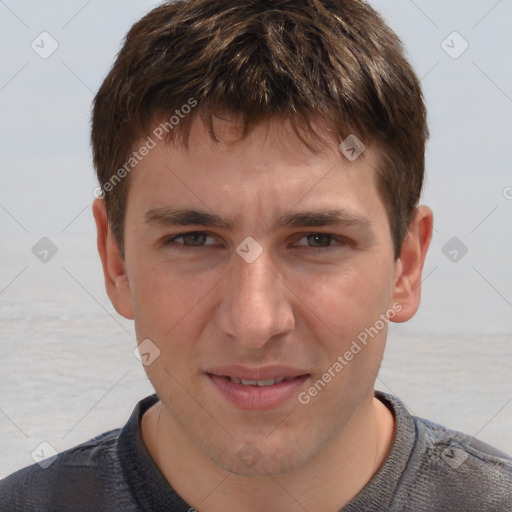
{"x": 409, "y": 266}
{"x": 116, "y": 280}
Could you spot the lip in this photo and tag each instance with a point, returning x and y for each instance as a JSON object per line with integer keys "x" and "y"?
{"x": 261, "y": 373}
{"x": 257, "y": 397}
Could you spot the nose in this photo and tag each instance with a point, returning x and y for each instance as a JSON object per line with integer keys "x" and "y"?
{"x": 254, "y": 306}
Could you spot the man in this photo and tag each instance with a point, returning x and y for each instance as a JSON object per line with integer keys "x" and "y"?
{"x": 260, "y": 166}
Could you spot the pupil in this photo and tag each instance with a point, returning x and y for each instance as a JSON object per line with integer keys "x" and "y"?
{"x": 196, "y": 238}
{"x": 319, "y": 239}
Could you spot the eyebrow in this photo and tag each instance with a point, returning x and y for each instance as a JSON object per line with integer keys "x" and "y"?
{"x": 167, "y": 216}
{"x": 184, "y": 217}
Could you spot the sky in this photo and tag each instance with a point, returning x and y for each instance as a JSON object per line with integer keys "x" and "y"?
{"x": 460, "y": 50}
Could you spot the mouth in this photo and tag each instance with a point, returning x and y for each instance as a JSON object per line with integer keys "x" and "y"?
{"x": 260, "y": 383}
{"x": 258, "y": 392}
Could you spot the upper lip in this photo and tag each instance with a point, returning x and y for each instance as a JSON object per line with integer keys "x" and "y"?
{"x": 261, "y": 373}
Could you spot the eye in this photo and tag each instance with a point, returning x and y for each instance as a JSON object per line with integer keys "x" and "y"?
{"x": 192, "y": 239}
{"x": 321, "y": 241}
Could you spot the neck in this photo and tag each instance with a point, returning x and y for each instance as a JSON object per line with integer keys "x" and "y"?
{"x": 328, "y": 481}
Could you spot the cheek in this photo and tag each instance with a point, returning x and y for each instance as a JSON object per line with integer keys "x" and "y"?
{"x": 166, "y": 300}
{"x": 170, "y": 310}
{"x": 344, "y": 302}
{"x": 344, "y": 316}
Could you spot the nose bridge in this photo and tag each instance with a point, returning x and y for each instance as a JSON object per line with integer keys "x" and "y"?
{"x": 254, "y": 306}
{"x": 254, "y": 282}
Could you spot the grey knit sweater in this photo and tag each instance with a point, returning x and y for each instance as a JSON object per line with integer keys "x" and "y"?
{"x": 429, "y": 468}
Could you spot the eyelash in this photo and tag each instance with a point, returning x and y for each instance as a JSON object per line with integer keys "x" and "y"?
{"x": 340, "y": 241}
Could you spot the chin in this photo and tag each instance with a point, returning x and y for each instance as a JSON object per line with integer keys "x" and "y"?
{"x": 261, "y": 458}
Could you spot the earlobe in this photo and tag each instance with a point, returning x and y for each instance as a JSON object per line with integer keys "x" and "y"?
{"x": 409, "y": 266}
{"x": 114, "y": 269}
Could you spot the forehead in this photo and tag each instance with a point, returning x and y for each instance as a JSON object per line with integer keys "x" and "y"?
{"x": 273, "y": 140}
{"x": 268, "y": 171}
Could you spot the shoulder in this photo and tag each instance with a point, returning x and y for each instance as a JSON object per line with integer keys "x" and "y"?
{"x": 436, "y": 468}
{"x": 76, "y": 479}
{"x": 441, "y": 435}
{"x": 459, "y": 471}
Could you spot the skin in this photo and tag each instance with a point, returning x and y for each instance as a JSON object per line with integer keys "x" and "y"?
{"x": 301, "y": 303}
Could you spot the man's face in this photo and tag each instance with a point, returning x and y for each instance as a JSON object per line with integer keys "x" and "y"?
{"x": 289, "y": 311}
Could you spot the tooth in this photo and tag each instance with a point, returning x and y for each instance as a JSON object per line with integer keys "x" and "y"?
{"x": 249, "y": 382}
{"x": 270, "y": 382}
{"x": 261, "y": 383}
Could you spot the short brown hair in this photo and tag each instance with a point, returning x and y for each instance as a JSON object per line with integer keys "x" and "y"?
{"x": 334, "y": 60}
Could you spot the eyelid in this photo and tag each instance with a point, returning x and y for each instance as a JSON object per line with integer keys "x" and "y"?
{"x": 172, "y": 238}
{"x": 340, "y": 240}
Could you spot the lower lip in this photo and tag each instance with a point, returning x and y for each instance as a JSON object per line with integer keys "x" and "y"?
{"x": 256, "y": 397}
